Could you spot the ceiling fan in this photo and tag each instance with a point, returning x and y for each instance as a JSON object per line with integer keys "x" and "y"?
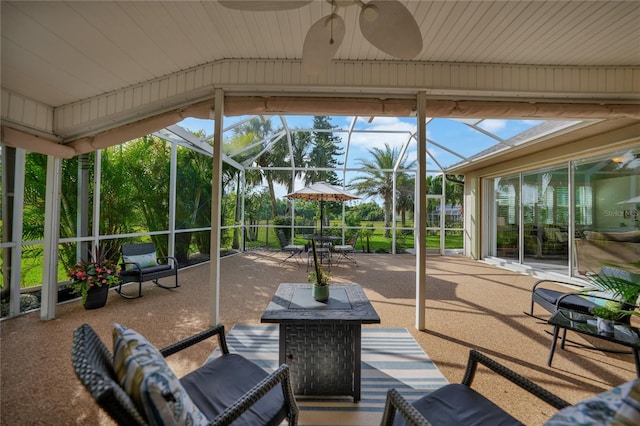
{"x": 387, "y": 24}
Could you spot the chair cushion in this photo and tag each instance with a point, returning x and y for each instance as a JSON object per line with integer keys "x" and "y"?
{"x": 145, "y": 260}
{"x": 618, "y": 406}
{"x": 457, "y": 404}
{"x": 573, "y": 302}
{"x": 147, "y": 379}
{"x": 222, "y": 381}
{"x": 146, "y": 270}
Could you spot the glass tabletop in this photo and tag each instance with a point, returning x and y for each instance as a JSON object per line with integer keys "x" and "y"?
{"x": 587, "y": 324}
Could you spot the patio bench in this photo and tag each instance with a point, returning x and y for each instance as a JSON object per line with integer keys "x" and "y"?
{"x": 140, "y": 263}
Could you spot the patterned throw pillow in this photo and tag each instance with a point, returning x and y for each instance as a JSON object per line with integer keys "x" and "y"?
{"x": 618, "y": 406}
{"x": 149, "y": 259}
{"x": 145, "y": 376}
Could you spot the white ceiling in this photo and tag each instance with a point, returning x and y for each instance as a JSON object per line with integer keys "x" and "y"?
{"x": 74, "y": 71}
{"x": 59, "y": 52}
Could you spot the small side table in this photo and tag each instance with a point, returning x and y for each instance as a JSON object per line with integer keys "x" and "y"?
{"x": 321, "y": 341}
{"x": 567, "y": 319}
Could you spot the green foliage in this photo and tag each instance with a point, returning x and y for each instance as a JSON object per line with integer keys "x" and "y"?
{"x": 454, "y": 191}
{"x": 610, "y": 311}
{"x": 376, "y": 182}
{"x": 366, "y": 211}
{"x": 323, "y": 153}
{"x": 621, "y": 289}
{"x": 283, "y": 224}
{"x": 193, "y": 201}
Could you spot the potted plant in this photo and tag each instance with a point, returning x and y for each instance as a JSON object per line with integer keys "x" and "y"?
{"x": 92, "y": 279}
{"x": 318, "y": 278}
{"x": 607, "y": 315}
{"x": 618, "y": 298}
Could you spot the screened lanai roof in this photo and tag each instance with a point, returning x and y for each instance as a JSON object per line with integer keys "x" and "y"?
{"x": 450, "y": 142}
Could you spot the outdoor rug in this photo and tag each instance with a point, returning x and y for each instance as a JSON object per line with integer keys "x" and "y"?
{"x": 391, "y": 358}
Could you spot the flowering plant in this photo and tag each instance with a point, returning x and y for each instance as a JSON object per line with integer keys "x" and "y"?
{"x": 87, "y": 274}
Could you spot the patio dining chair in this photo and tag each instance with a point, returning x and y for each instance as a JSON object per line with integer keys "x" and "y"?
{"x": 294, "y": 250}
{"x": 346, "y": 251}
{"x": 324, "y": 253}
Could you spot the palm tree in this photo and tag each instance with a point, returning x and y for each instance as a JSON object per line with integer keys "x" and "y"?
{"x": 298, "y": 155}
{"x": 405, "y": 190}
{"x": 259, "y": 130}
{"x": 378, "y": 180}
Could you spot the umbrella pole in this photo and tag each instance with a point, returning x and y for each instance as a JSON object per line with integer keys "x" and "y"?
{"x": 321, "y": 215}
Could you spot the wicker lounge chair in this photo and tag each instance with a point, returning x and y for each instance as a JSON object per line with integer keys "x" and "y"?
{"x": 225, "y": 389}
{"x": 459, "y": 404}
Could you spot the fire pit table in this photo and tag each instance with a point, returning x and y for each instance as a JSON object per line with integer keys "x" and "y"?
{"x": 321, "y": 341}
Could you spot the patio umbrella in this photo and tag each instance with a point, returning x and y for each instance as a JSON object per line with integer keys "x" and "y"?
{"x": 322, "y": 191}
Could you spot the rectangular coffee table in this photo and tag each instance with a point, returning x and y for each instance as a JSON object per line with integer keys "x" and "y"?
{"x": 321, "y": 341}
{"x": 567, "y": 319}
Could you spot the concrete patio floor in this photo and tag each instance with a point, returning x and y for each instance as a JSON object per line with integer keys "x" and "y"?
{"x": 469, "y": 305}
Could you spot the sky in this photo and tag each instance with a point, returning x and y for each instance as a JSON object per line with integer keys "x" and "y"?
{"x": 448, "y": 141}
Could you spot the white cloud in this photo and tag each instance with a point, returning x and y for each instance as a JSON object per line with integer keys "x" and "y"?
{"x": 493, "y": 125}
{"x": 373, "y": 139}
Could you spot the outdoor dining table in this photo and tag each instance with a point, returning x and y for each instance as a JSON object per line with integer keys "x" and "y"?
{"x": 324, "y": 253}
{"x": 321, "y": 341}
{"x": 321, "y": 238}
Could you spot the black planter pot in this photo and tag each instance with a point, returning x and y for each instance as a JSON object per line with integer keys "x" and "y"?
{"x": 97, "y": 297}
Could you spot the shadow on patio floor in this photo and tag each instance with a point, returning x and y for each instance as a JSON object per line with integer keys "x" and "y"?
{"x": 469, "y": 305}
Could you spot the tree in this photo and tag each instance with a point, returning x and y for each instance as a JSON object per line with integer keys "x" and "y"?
{"x": 145, "y": 165}
{"x": 301, "y": 144}
{"x": 454, "y": 191}
{"x": 193, "y": 201}
{"x": 323, "y": 153}
{"x": 258, "y": 130}
{"x": 378, "y": 182}
{"x": 405, "y": 190}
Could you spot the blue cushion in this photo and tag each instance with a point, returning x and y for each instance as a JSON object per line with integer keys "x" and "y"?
{"x": 144, "y": 260}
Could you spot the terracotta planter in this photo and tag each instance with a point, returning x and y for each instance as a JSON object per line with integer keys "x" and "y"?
{"x": 320, "y": 292}
{"x": 97, "y": 297}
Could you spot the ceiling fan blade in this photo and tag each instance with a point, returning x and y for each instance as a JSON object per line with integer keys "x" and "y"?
{"x": 389, "y": 26}
{"x": 264, "y": 5}
{"x": 318, "y": 49}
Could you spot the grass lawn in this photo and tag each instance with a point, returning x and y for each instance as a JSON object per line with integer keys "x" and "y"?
{"x": 371, "y": 236}
{"x": 371, "y": 240}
